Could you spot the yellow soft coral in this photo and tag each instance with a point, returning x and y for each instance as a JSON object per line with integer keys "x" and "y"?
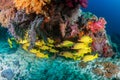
{"x": 31, "y": 6}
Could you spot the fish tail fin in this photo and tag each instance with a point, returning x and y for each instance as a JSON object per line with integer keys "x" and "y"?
{"x": 10, "y": 42}
{"x": 96, "y": 55}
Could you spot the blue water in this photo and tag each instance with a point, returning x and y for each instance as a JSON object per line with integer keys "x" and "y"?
{"x": 4, "y": 46}
{"x": 110, "y": 10}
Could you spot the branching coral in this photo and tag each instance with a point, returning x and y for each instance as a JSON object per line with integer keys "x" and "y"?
{"x": 31, "y": 6}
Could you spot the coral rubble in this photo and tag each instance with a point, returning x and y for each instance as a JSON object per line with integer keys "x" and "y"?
{"x": 109, "y": 69}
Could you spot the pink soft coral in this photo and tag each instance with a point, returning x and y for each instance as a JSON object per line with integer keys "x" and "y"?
{"x": 74, "y": 30}
{"x": 97, "y": 25}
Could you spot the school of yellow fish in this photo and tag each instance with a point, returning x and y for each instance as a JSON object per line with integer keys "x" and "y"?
{"x": 82, "y": 48}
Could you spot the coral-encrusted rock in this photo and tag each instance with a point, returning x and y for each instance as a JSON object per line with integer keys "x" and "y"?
{"x": 4, "y": 4}
{"x": 8, "y": 73}
{"x": 109, "y": 69}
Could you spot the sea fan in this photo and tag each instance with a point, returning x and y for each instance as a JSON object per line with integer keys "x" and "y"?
{"x": 31, "y": 6}
{"x": 20, "y": 24}
{"x": 36, "y": 31}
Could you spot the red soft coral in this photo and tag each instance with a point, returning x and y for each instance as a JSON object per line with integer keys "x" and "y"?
{"x": 97, "y": 26}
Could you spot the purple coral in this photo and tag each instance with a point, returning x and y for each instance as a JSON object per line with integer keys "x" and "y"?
{"x": 73, "y": 3}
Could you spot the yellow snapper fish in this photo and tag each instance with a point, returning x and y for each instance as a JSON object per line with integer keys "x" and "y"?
{"x": 38, "y": 43}
{"x": 25, "y": 46}
{"x": 82, "y": 52}
{"x": 23, "y": 41}
{"x": 86, "y": 39}
{"x": 35, "y": 51}
{"x": 50, "y": 41}
{"x": 41, "y": 55}
{"x": 38, "y": 53}
{"x": 90, "y": 57}
{"x": 42, "y": 42}
{"x": 53, "y": 50}
{"x": 68, "y": 55}
{"x": 44, "y": 47}
{"x": 66, "y": 44}
{"x": 80, "y": 46}
{"x": 10, "y": 43}
{"x": 50, "y": 45}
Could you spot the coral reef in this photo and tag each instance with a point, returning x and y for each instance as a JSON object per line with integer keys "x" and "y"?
{"x": 57, "y": 27}
{"x": 66, "y": 43}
